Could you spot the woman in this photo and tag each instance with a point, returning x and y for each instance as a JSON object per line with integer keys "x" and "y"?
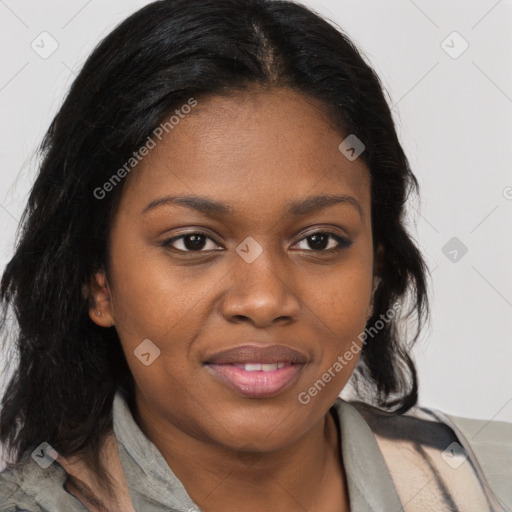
{"x": 213, "y": 247}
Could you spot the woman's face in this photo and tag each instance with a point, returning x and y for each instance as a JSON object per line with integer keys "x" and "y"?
{"x": 255, "y": 276}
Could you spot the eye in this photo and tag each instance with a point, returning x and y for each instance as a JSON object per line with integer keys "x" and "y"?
{"x": 319, "y": 241}
{"x": 190, "y": 242}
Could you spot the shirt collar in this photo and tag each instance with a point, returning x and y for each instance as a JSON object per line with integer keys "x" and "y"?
{"x": 153, "y": 485}
{"x": 369, "y": 482}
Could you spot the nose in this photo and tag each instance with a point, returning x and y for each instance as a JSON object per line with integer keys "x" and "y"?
{"x": 260, "y": 293}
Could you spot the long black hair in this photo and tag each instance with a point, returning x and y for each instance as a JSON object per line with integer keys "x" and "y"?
{"x": 67, "y": 368}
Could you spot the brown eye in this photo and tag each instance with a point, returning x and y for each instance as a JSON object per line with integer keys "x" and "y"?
{"x": 320, "y": 241}
{"x": 190, "y": 242}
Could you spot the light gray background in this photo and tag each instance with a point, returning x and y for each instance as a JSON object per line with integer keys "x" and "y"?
{"x": 454, "y": 119}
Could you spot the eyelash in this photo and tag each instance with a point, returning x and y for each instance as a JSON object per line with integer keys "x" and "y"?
{"x": 343, "y": 243}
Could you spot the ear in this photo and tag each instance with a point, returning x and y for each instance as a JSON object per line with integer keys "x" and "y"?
{"x": 100, "y": 303}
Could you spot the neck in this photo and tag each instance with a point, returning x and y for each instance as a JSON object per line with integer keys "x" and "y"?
{"x": 305, "y": 475}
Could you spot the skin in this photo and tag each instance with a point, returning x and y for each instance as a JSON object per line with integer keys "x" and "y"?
{"x": 254, "y": 150}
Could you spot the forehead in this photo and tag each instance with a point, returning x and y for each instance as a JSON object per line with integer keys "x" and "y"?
{"x": 240, "y": 148}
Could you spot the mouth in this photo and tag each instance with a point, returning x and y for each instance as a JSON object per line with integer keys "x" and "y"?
{"x": 255, "y": 371}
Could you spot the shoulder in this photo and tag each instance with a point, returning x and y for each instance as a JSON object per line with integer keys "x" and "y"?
{"x": 481, "y": 432}
{"x": 433, "y": 427}
{"x": 457, "y": 453}
{"x": 14, "y": 496}
{"x": 489, "y": 444}
{"x": 26, "y": 487}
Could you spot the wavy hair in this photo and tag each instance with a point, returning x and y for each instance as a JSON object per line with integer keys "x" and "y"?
{"x": 67, "y": 368}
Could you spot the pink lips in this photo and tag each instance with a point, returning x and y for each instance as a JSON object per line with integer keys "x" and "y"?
{"x": 257, "y": 371}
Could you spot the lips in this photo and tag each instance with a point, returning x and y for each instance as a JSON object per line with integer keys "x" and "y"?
{"x": 257, "y": 354}
{"x": 257, "y": 371}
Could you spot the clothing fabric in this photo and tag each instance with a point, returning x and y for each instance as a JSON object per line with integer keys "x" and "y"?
{"x": 421, "y": 461}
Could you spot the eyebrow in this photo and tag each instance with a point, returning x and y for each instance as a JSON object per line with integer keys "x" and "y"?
{"x": 214, "y": 208}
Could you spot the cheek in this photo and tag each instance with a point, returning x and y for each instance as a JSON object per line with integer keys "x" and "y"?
{"x": 340, "y": 306}
{"x": 341, "y": 298}
{"x": 150, "y": 295}
{"x": 157, "y": 301}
